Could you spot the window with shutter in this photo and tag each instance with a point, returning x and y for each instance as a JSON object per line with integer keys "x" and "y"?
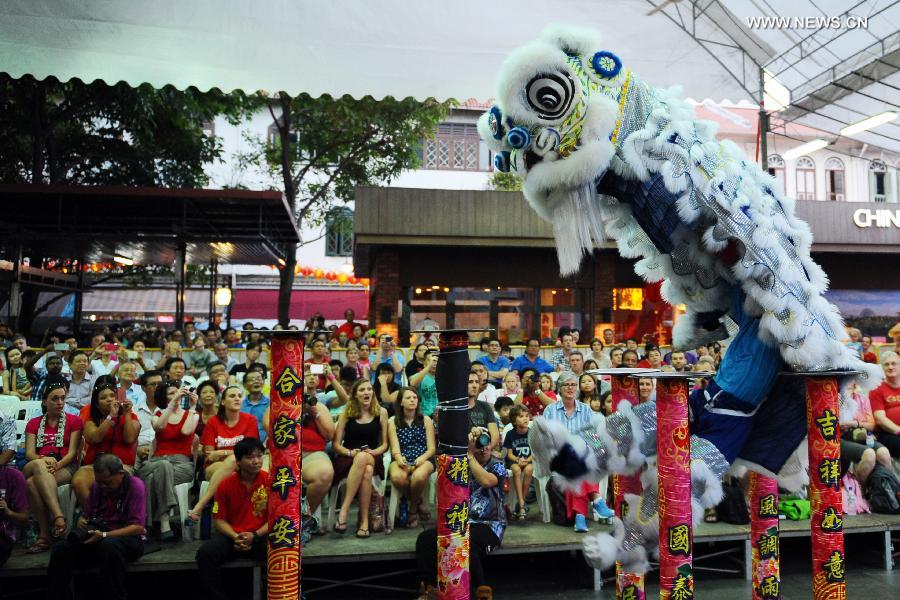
{"x": 455, "y": 147}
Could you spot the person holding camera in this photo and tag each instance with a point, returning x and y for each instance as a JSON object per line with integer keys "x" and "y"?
{"x": 110, "y": 425}
{"x": 51, "y": 448}
{"x": 171, "y": 461}
{"x": 389, "y": 355}
{"x": 487, "y": 519}
{"x": 240, "y": 518}
{"x": 110, "y": 533}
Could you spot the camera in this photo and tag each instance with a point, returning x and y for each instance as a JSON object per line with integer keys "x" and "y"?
{"x": 79, "y": 535}
{"x": 482, "y": 441}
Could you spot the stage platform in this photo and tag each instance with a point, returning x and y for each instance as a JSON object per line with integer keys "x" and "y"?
{"x": 530, "y": 536}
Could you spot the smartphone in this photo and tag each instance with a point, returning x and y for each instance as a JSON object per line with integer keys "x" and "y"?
{"x": 61, "y": 347}
{"x": 132, "y": 354}
{"x": 364, "y": 447}
{"x": 317, "y": 369}
{"x": 185, "y": 402}
{"x": 111, "y": 347}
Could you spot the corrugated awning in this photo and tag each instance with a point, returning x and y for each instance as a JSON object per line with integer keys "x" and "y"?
{"x": 263, "y": 304}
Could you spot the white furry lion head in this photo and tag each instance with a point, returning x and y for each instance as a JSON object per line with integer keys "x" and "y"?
{"x": 556, "y": 114}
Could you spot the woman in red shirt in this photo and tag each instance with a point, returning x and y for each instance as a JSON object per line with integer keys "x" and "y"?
{"x": 220, "y": 435}
{"x": 171, "y": 462}
{"x": 109, "y": 426}
{"x": 51, "y": 447}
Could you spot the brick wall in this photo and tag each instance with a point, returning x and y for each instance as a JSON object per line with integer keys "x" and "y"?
{"x": 384, "y": 290}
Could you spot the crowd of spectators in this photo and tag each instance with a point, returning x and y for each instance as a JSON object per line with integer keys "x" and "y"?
{"x": 124, "y": 430}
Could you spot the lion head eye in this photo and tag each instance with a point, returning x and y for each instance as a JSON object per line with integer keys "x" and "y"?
{"x": 495, "y": 122}
{"x": 501, "y": 161}
{"x": 550, "y": 94}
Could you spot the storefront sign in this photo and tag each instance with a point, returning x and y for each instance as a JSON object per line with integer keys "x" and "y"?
{"x": 866, "y": 217}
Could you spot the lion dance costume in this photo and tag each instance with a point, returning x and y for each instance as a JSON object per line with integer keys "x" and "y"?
{"x": 605, "y": 155}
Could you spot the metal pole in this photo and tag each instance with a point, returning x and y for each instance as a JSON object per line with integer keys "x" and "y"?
{"x": 826, "y": 522}
{"x": 763, "y": 123}
{"x": 213, "y": 262}
{"x": 79, "y": 300}
{"x": 283, "y": 565}
{"x": 180, "y": 282}
{"x": 766, "y": 571}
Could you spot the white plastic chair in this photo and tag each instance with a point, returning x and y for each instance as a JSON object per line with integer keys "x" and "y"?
{"x": 429, "y": 494}
{"x": 337, "y": 491}
{"x": 66, "y": 495}
{"x": 540, "y": 485}
{"x": 182, "y": 497}
{"x": 10, "y": 406}
{"x": 30, "y": 409}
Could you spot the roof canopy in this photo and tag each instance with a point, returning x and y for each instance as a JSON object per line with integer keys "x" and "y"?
{"x": 146, "y": 224}
{"x": 840, "y": 66}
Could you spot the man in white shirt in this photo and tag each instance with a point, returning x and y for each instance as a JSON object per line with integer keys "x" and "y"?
{"x": 222, "y": 354}
{"x": 145, "y": 408}
{"x": 488, "y": 392}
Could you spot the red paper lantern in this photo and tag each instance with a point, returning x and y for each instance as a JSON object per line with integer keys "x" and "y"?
{"x": 319, "y": 273}
{"x": 354, "y": 280}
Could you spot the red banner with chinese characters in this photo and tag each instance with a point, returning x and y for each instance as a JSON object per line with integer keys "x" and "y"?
{"x": 453, "y": 527}
{"x": 763, "y": 492}
{"x": 285, "y": 411}
{"x": 453, "y": 466}
{"x": 676, "y": 577}
{"x": 628, "y": 585}
{"x": 826, "y": 524}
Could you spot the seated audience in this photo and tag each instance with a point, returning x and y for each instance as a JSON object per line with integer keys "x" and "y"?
{"x": 52, "y": 442}
{"x": 646, "y": 390}
{"x": 518, "y": 456}
{"x": 387, "y": 354}
{"x": 531, "y": 358}
{"x": 53, "y": 367}
{"x": 15, "y": 377}
{"x": 255, "y": 402}
{"x": 171, "y": 462}
{"x": 412, "y": 442}
{"x": 576, "y": 415}
{"x": 220, "y": 435}
{"x": 207, "y": 404}
{"x": 417, "y": 362}
{"x": 110, "y": 426}
{"x": 240, "y": 518}
{"x": 251, "y": 358}
{"x": 199, "y": 358}
{"x": 885, "y": 401}
{"x": 598, "y": 355}
{"x": 362, "y": 372}
{"x": 80, "y": 383}
{"x": 502, "y": 408}
{"x": 424, "y": 383}
{"x": 146, "y": 409}
{"x": 110, "y": 532}
{"x": 486, "y": 517}
{"x": 359, "y": 441}
{"x": 615, "y": 358}
{"x": 481, "y": 414}
{"x": 486, "y": 392}
{"x": 497, "y": 365}
{"x": 534, "y": 396}
{"x": 512, "y": 386}
{"x": 14, "y": 498}
{"x": 385, "y": 387}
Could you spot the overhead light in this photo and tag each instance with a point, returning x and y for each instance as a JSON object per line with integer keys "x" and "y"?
{"x": 804, "y": 149}
{"x": 281, "y": 262}
{"x": 223, "y": 296}
{"x": 347, "y": 267}
{"x": 123, "y": 260}
{"x": 446, "y": 289}
{"x": 487, "y": 289}
{"x": 418, "y": 290}
{"x": 865, "y": 124}
{"x": 435, "y": 287}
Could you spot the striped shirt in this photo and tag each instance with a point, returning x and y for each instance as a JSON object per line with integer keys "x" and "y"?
{"x": 580, "y": 419}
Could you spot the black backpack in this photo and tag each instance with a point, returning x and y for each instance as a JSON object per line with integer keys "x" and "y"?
{"x": 558, "y": 512}
{"x": 883, "y": 491}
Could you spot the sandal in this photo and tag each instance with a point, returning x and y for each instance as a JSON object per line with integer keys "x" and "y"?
{"x": 340, "y": 528}
{"x": 40, "y": 545}
{"x": 59, "y": 531}
{"x": 423, "y": 513}
{"x": 711, "y": 516}
{"x": 362, "y": 533}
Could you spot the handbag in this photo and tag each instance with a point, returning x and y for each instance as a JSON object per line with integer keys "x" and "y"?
{"x": 376, "y": 512}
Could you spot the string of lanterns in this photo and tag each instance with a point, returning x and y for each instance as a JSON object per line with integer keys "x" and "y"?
{"x": 333, "y": 276}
